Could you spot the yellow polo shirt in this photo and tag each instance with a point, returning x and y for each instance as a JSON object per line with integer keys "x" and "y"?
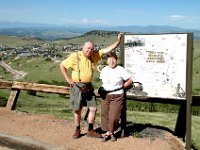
{"x": 86, "y": 65}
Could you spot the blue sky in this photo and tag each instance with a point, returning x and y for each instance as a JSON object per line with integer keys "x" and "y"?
{"x": 181, "y": 13}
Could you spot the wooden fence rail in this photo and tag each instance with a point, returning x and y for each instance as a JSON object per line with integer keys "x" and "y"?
{"x": 17, "y": 86}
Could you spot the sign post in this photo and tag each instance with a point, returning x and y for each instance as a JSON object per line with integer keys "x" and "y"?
{"x": 189, "y": 91}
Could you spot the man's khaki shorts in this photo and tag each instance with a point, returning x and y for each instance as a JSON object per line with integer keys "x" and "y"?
{"x": 76, "y": 100}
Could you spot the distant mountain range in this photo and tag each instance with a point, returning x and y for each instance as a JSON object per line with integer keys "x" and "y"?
{"x": 53, "y": 32}
{"x": 44, "y": 33}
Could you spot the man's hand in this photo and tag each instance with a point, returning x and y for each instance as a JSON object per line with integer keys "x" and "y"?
{"x": 119, "y": 37}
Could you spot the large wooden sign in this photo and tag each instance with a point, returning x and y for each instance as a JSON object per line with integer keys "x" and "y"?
{"x": 157, "y": 64}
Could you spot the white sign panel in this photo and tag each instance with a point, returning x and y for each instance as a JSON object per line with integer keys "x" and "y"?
{"x": 157, "y": 64}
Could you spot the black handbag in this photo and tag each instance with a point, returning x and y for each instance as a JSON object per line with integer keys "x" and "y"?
{"x": 87, "y": 92}
{"x": 102, "y": 92}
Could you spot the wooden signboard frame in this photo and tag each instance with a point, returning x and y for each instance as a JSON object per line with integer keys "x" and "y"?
{"x": 173, "y": 50}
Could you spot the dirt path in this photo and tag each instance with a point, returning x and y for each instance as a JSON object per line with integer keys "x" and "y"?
{"x": 16, "y": 74}
{"x": 49, "y": 129}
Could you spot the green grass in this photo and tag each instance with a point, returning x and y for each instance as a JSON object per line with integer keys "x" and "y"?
{"x": 4, "y": 74}
{"x": 102, "y": 37}
{"x": 165, "y": 120}
{"x": 196, "y": 132}
{"x": 13, "y": 41}
{"x": 44, "y": 103}
{"x": 196, "y": 68}
{"x": 37, "y": 69}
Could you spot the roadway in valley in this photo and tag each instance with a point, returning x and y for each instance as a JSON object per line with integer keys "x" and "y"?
{"x": 16, "y": 74}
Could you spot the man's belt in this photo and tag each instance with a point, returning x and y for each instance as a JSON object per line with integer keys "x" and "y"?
{"x": 84, "y": 84}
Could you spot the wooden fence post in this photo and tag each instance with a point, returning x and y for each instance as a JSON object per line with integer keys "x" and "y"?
{"x": 180, "y": 129}
{"x": 12, "y": 100}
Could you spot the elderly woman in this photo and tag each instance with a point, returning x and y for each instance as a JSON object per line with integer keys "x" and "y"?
{"x": 114, "y": 80}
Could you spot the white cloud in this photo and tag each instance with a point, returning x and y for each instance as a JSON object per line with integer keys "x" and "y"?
{"x": 184, "y": 21}
{"x": 92, "y": 22}
{"x": 63, "y": 19}
{"x": 178, "y": 18}
{"x": 85, "y": 21}
{"x": 99, "y": 22}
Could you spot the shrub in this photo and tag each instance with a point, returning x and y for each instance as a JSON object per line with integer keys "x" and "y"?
{"x": 3, "y": 101}
{"x": 31, "y": 93}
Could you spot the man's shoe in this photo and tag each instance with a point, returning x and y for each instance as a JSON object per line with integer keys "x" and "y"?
{"x": 77, "y": 134}
{"x": 93, "y": 134}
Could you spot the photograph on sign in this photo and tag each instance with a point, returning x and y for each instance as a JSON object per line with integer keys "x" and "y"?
{"x": 157, "y": 64}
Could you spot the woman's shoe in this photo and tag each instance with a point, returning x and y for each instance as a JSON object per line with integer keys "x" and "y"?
{"x": 105, "y": 138}
{"x": 113, "y": 138}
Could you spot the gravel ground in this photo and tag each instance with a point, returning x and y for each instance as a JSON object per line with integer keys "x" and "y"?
{"x": 55, "y": 131}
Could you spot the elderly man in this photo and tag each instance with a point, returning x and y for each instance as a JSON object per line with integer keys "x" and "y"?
{"x": 82, "y": 64}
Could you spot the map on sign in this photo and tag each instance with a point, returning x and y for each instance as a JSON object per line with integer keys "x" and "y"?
{"x": 157, "y": 64}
